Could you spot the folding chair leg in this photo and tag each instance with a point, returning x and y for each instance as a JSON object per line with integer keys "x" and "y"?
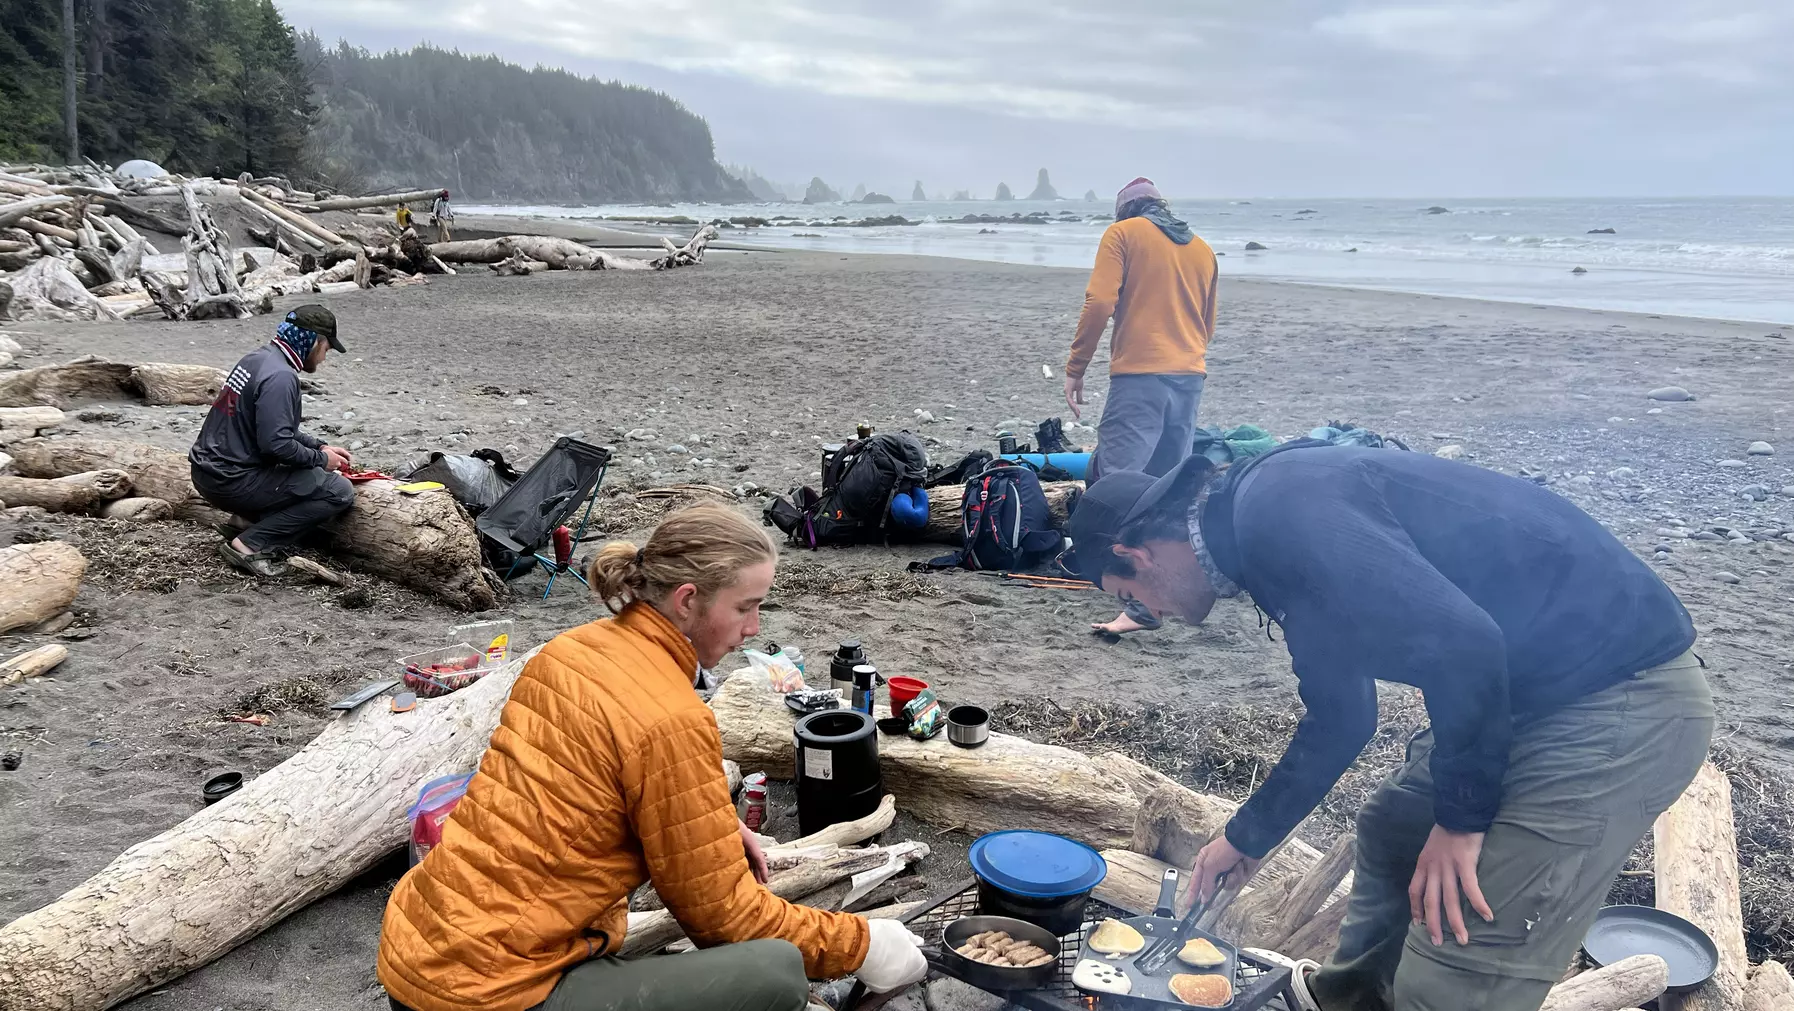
{"x": 578, "y": 535}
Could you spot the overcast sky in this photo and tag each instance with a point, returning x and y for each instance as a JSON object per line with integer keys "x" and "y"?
{"x": 1212, "y": 98}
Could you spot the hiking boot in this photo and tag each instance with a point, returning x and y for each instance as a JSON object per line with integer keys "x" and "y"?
{"x": 265, "y": 564}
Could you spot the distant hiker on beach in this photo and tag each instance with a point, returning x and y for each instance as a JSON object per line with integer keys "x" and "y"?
{"x": 403, "y": 215}
{"x": 605, "y": 774}
{"x": 1567, "y": 708}
{"x": 442, "y": 216}
{"x": 1157, "y": 280}
{"x": 252, "y": 460}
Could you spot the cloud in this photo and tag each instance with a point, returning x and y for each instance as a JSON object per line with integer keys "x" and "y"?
{"x": 1312, "y": 96}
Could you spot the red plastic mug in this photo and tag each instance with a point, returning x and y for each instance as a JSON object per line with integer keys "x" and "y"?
{"x": 903, "y": 690}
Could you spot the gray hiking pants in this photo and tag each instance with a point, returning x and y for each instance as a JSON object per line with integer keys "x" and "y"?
{"x": 282, "y": 503}
{"x": 750, "y": 976}
{"x": 1148, "y": 423}
{"x": 1583, "y": 785}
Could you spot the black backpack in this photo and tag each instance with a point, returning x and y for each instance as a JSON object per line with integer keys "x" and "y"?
{"x": 858, "y": 483}
{"x": 1005, "y": 520}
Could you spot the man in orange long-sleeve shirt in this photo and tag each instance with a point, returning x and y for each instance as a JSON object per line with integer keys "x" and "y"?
{"x": 1156, "y": 279}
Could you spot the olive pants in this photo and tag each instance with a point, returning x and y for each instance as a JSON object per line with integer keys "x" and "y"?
{"x": 1583, "y": 785}
{"x": 750, "y": 976}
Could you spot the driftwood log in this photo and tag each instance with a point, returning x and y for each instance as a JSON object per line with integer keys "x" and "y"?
{"x": 32, "y": 663}
{"x": 76, "y": 493}
{"x": 290, "y": 836}
{"x": 356, "y": 203}
{"x": 299, "y": 221}
{"x": 1327, "y": 880}
{"x": 690, "y": 253}
{"x": 559, "y": 254}
{"x": 19, "y": 423}
{"x": 37, "y": 582}
{"x": 1627, "y": 983}
{"x": 1769, "y": 989}
{"x": 1696, "y": 870}
{"x": 1007, "y": 783}
{"x": 155, "y": 472}
{"x": 90, "y": 380}
{"x": 944, "y": 513}
{"x": 47, "y": 291}
{"x": 424, "y": 541}
{"x": 137, "y": 509}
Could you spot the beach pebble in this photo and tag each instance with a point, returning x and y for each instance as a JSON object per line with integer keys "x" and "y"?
{"x": 924, "y": 416}
{"x": 1621, "y": 474}
{"x": 1671, "y": 532}
{"x": 1670, "y": 394}
{"x": 1655, "y": 410}
{"x": 645, "y": 434}
{"x": 1732, "y": 464}
{"x": 1582, "y": 479}
{"x": 1451, "y": 452}
{"x": 357, "y": 445}
{"x": 1664, "y": 549}
{"x": 676, "y": 448}
{"x": 348, "y": 415}
{"x": 1616, "y": 419}
{"x": 1727, "y": 577}
{"x": 1705, "y": 535}
{"x": 1441, "y": 436}
{"x": 1788, "y": 490}
{"x": 1760, "y": 449}
{"x": 1755, "y": 492}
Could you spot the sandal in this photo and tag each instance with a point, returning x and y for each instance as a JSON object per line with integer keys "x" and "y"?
{"x": 266, "y": 564}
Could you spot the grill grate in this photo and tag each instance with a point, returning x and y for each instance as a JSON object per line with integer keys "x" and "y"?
{"x": 1256, "y": 984}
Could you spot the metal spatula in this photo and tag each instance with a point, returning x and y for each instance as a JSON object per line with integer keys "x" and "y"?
{"x": 1155, "y": 957}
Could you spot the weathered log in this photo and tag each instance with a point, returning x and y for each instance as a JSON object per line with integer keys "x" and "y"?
{"x": 138, "y": 509}
{"x": 1696, "y": 871}
{"x": 299, "y": 221}
{"x": 1313, "y": 889}
{"x": 89, "y": 379}
{"x": 1624, "y": 984}
{"x": 424, "y": 541}
{"x": 290, "y": 836}
{"x": 66, "y": 236}
{"x": 843, "y": 833}
{"x": 355, "y": 203}
{"x": 944, "y": 514}
{"x": 1317, "y": 938}
{"x": 517, "y": 265}
{"x": 37, "y": 581}
{"x": 1133, "y": 882}
{"x": 10, "y": 261}
{"x": 1769, "y": 989}
{"x": 155, "y": 472}
{"x": 46, "y": 291}
{"x": 142, "y": 218}
{"x": 559, "y": 254}
{"x": 1007, "y": 783}
{"x": 321, "y": 573}
{"x": 12, "y": 213}
{"x": 688, "y": 254}
{"x": 209, "y": 261}
{"x": 17, "y": 423}
{"x": 280, "y": 230}
{"x": 32, "y": 663}
{"x": 76, "y": 493}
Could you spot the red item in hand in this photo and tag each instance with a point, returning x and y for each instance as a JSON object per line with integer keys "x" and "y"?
{"x": 358, "y": 476}
{"x": 563, "y": 546}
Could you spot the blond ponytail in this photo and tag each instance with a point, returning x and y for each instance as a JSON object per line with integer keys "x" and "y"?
{"x": 706, "y": 546}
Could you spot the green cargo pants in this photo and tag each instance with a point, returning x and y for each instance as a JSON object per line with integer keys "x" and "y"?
{"x": 1583, "y": 785}
{"x": 750, "y": 976}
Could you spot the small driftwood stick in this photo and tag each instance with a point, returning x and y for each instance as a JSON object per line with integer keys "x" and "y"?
{"x": 1624, "y": 984}
{"x": 32, "y": 663}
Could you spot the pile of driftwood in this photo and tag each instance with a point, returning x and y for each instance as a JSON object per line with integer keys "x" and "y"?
{"x": 70, "y": 248}
{"x": 309, "y": 825}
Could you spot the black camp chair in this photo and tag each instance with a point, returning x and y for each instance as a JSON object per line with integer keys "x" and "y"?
{"x": 524, "y": 519}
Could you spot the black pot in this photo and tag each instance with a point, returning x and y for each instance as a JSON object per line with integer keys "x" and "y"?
{"x": 1058, "y": 916}
{"x": 219, "y": 787}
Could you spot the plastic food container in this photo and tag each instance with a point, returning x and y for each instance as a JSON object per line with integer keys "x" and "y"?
{"x": 493, "y": 638}
{"x": 902, "y": 690}
{"x": 436, "y": 672}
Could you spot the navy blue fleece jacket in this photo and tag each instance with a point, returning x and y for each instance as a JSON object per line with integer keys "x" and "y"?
{"x": 1496, "y": 597}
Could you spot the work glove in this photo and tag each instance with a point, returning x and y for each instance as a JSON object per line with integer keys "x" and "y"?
{"x": 893, "y": 958}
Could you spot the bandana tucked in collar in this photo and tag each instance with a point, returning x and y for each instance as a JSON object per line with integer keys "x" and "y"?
{"x": 296, "y": 341}
{"x": 1224, "y": 587}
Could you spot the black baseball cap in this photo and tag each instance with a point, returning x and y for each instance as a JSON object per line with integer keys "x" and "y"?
{"x": 1115, "y": 500}
{"x": 320, "y": 321}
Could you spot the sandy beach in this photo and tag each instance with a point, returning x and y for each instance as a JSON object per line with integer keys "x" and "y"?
{"x": 748, "y": 364}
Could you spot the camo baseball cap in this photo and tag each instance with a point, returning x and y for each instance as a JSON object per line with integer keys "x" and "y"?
{"x": 320, "y": 321}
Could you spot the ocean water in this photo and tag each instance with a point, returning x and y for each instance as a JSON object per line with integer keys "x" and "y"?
{"x": 1726, "y": 258}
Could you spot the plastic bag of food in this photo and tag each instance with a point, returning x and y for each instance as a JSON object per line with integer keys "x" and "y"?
{"x": 778, "y": 670}
{"x": 435, "y": 802}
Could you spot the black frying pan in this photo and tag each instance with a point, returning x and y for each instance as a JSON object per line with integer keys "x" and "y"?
{"x": 1623, "y": 931}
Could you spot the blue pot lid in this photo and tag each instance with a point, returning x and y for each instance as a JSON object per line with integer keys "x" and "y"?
{"x": 1038, "y": 865}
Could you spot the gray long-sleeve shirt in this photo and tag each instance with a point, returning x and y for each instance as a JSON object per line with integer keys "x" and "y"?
{"x": 254, "y": 423}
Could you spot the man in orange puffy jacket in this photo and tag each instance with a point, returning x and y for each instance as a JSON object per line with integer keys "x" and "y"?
{"x": 605, "y": 772}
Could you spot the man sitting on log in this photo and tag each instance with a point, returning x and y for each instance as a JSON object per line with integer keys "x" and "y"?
{"x": 1567, "y": 707}
{"x": 251, "y": 459}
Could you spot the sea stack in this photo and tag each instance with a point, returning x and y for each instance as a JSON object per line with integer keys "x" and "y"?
{"x": 1003, "y": 192}
{"x": 1090, "y": 196}
{"x": 917, "y": 194}
{"x": 819, "y": 192}
{"x": 1043, "y": 188}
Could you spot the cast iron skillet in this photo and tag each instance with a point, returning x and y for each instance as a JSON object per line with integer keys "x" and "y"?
{"x": 1623, "y": 931}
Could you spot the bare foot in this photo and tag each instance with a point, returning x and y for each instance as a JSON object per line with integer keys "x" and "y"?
{"x": 1120, "y": 626}
{"x": 237, "y": 545}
